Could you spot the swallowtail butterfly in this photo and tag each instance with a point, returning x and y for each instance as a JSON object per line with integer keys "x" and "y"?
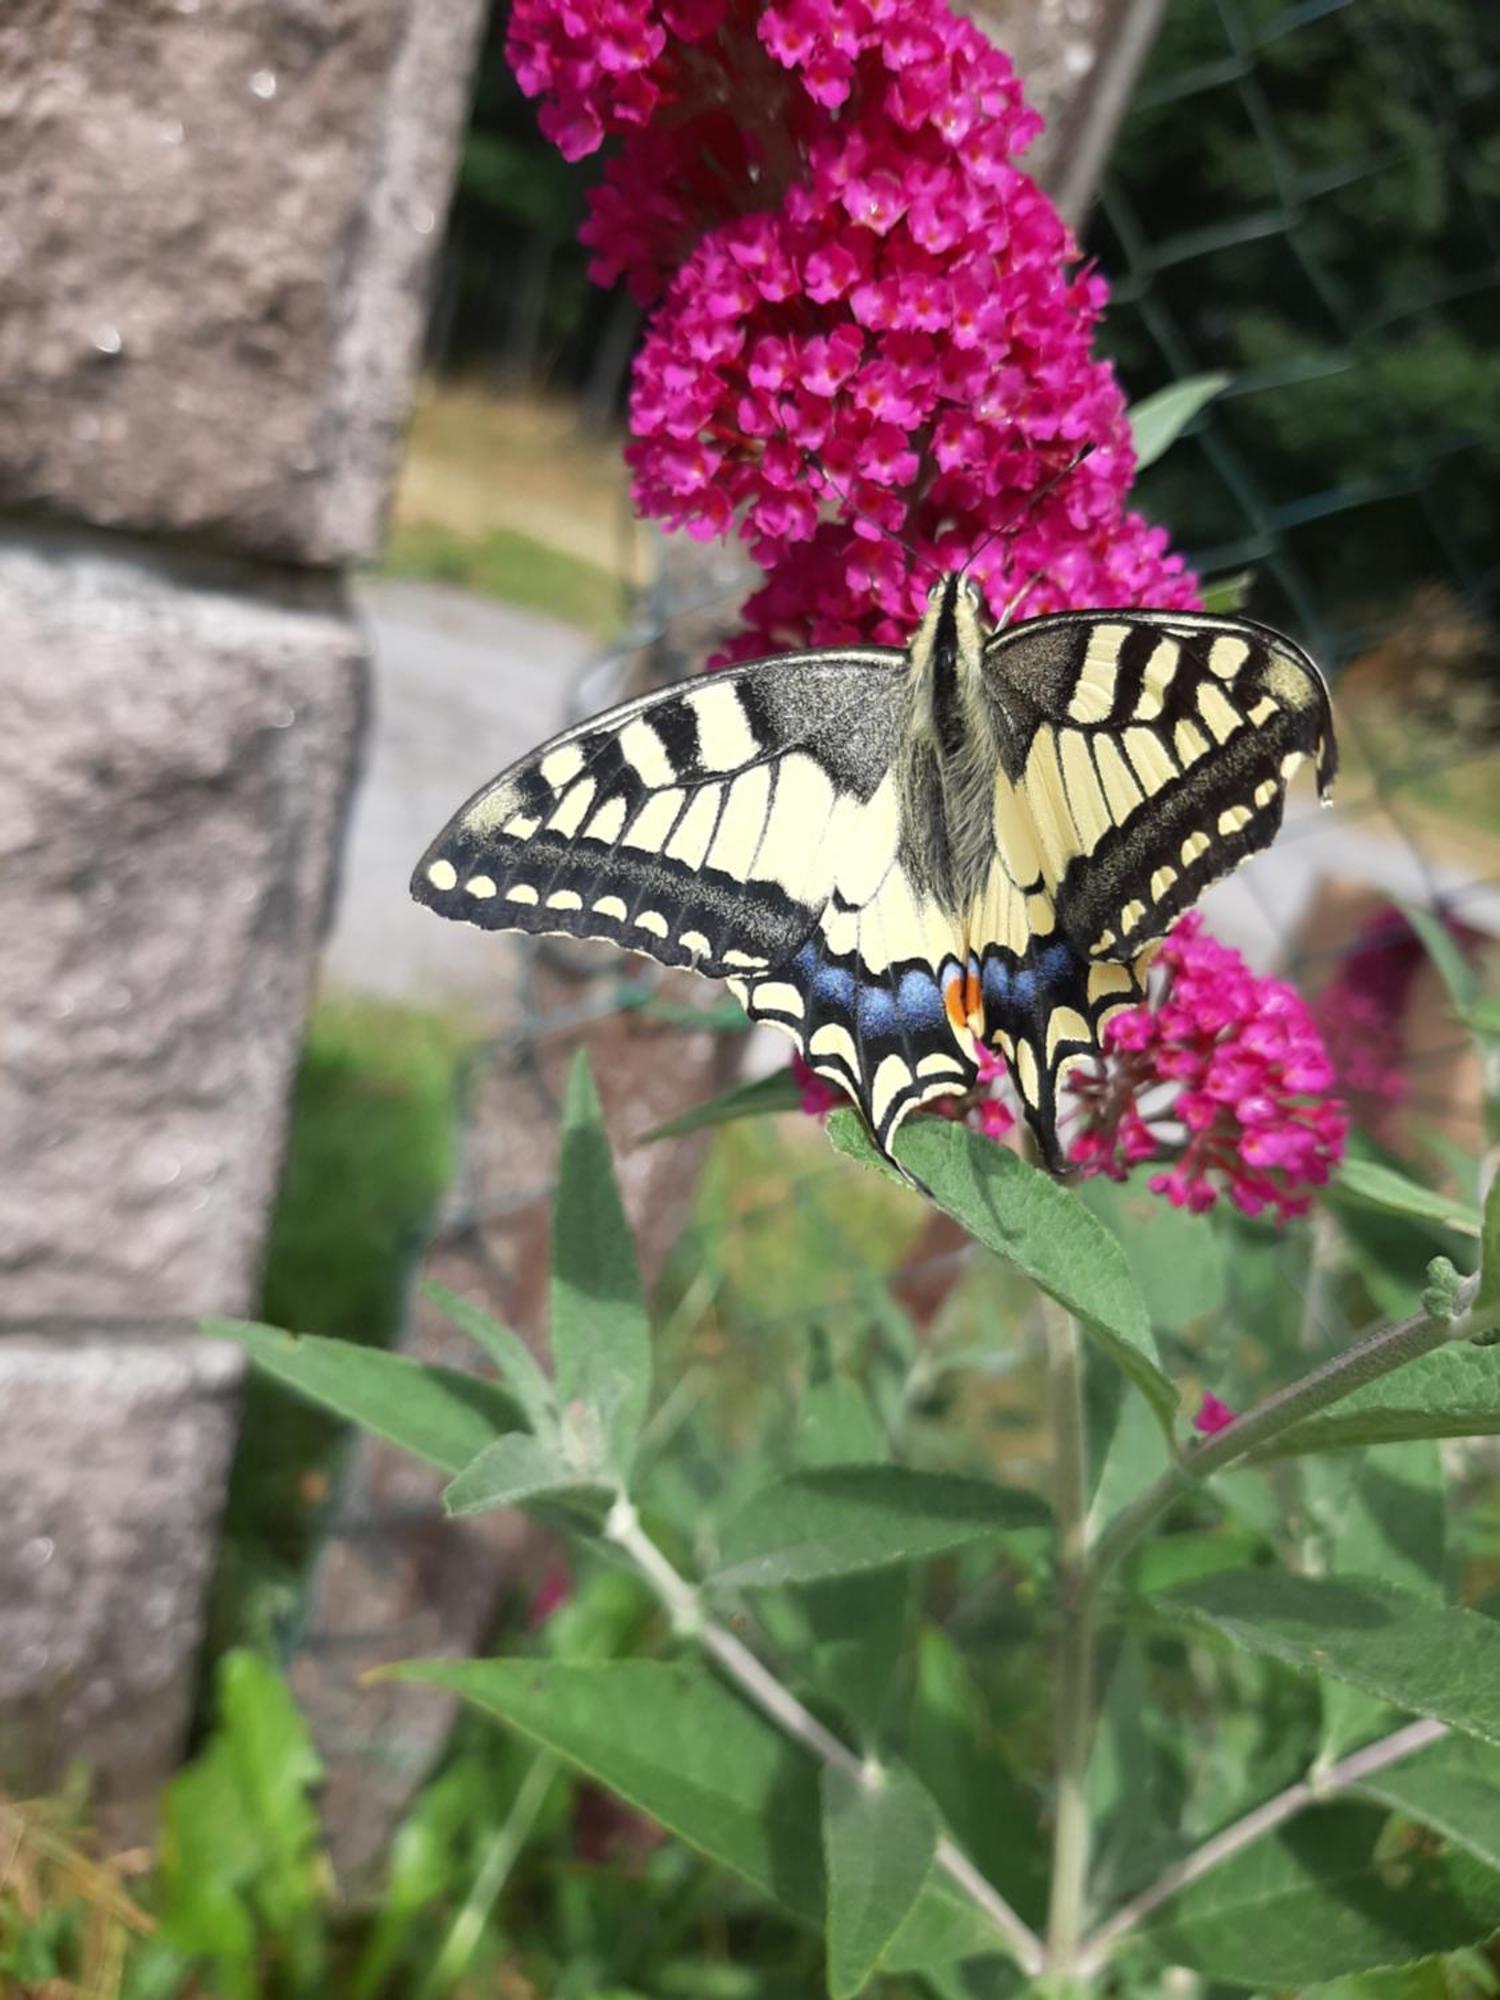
{"x": 899, "y": 856}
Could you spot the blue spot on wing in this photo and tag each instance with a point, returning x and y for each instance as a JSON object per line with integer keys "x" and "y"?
{"x": 919, "y": 1000}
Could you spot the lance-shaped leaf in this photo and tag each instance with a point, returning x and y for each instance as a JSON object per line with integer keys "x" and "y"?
{"x": 1452, "y": 1392}
{"x": 1486, "y": 1308}
{"x": 601, "y": 1339}
{"x": 511, "y": 1471}
{"x": 1022, "y": 1215}
{"x": 672, "y": 1741}
{"x": 879, "y": 1837}
{"x": 518, "y": 1366}
{"x": 849, "y": 1518}
{"x": 675, "y": 1743}
{"x": 437, "y": 1413}
{"x": 1454, "y": 1788}
{"x": 1156, "y": 422}
{"x": 1315, "y": 1904}
{"x": 1432, "y": 1659}
{"x": 1383, "y": 1187}
{"x": 778, "y": 1092}
{"x": 1447, "y": 955}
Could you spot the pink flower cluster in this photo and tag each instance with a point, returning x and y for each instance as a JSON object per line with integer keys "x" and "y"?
{"x": 865, "y": 324}
{"x": 1227, "y": 1074}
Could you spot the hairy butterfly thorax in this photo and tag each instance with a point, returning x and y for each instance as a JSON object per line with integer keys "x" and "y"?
{"x": 901, "y": 857}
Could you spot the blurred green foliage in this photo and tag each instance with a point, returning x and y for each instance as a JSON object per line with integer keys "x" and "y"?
{"x": 1309, "y": 199}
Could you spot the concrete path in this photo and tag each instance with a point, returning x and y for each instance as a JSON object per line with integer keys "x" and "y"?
{"x": 462, "y": 687}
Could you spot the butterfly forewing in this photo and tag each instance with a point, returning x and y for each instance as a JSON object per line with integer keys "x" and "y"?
{"x": 695, "y": 825}
{"x": 1149, "y": 755}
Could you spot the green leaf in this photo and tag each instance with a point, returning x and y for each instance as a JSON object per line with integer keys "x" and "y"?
{"x": 1433, "y": 1659}
{"x": 1459, "y": 977}
{"x": 953, "y": 1748}
{"x": 1454, "y": 1788}
{"x": 1423, "y": 1979}
{"x": 1156, "y": 422}
{"x": 1315, "y": 1904}
{"x": 1022, "y": 1215}
{"x": 518, "y": 1366}
{"x": 1487, "y": 1297}
{"x": 1176, "y": 1259}
{"x": 512, "y": 1470}
{"x": 846, "y": 1519}
{"x": 601, "y": 1338}
{"x": 879, "y": 1837}
{"x": 1452, "y": 1392}
{"x": 855, "y": 1631}
{"x": 675, "y": 1743}
{"x": 672, "y": 1741}
{"x": 1379, "y": 1514}
{"x": 778, "y": 1092}
{"x": 836, "y": 1426}
{"x": 241, "y": 1838}
{"x": 1382, "y": 1187}
{"x": 1224, "y": 594}
{"x": 439, "y": 1414}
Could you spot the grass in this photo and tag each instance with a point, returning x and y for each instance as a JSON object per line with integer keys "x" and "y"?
{"x": 513, "y": 568}
{"x": 511, "y": 496}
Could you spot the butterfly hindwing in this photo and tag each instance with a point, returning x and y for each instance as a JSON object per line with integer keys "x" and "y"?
{"x": 873, "y": 996}
{"x": 695, "y": 824}
{"x": 1149, "y": 754}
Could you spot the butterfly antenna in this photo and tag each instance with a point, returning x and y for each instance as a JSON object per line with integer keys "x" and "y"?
{"x": 1033, "y": 501}
{"x": 838, "y": 492}
{"x": 1010, "y": 610}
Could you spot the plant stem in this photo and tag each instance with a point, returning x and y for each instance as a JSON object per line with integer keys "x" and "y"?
{"x": 1311, "y": 1790}
{"x": 490, "y": 1878}
{"x": 684, "y": 1602}
{"x": 1384, "y": 1352}
{"x": 1075, "y": 1644}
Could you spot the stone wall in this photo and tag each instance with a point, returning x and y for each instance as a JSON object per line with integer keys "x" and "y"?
{"x": 216, "y": 226}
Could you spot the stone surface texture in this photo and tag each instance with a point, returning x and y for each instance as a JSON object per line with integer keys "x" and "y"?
{"x": 1079, "y": 60}
{"x": 112, "y": 1441}
{"x": 215, "y": 240}
{"x": 178, "y": 742}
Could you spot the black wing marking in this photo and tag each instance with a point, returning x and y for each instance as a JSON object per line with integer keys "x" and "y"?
{"x": 697, "y": 825}
{"x": 873, "y": 997}
{"x": 1145, "y": 754}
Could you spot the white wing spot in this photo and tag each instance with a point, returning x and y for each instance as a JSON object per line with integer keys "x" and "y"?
{"x": 725, "y": 739}
{"x": 608, "y": 823}
{"x": 480, "y": 885}
{"x": 643, "y": 748}
{"x": 573, "y": 809}
{"x": 443, "y": 875}
{"x": 654, "y": 922}
{"x": 521, "y": 892}
{"x": 562, "y": 765}
{"x": 1227, "y": 655}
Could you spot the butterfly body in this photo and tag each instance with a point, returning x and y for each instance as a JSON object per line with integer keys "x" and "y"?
{"x": 902, "y": 857}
